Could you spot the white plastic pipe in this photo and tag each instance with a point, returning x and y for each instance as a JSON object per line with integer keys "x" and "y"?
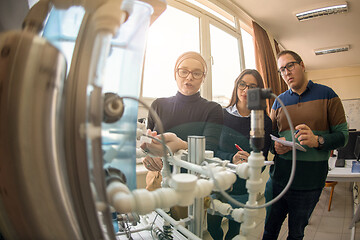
{"x": 224, "y": 177}
{"x": 253, "y": 184}
{"x": 184, "y": 189}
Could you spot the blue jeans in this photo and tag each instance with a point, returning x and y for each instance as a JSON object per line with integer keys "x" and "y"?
{"x": 299, "y": 204}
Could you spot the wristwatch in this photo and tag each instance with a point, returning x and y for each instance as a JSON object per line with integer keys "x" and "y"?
{"x": 321, "y": 142}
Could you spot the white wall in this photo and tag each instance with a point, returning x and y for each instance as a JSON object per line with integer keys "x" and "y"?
{"x": 344, "y": 81}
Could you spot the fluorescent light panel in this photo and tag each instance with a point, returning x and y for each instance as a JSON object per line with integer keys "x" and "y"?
{"x": 324, "y": 11}
{"x": 331, "y": 50}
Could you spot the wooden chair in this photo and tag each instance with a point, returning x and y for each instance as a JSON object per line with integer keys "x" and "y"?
{"x": 332, "y": 185}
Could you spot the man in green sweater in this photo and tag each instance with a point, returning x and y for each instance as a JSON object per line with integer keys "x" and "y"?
{"x": 318, "y": 114}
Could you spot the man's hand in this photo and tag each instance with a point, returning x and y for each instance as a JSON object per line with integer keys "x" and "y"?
{"x": 281, "y": 149}
{"x": 306, "y": 136}
{"x": 152, "y": 164}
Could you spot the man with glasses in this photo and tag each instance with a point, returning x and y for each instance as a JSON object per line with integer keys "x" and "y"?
{"x": 318, "y": 114}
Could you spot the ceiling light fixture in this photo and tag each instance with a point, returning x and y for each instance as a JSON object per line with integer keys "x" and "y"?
{"x": 323, "y": 11}
{"x": 332, "y": 50}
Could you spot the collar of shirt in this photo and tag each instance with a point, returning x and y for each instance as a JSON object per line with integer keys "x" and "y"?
{"x": 233, "y": 111}
{"x": 308, "y": 87}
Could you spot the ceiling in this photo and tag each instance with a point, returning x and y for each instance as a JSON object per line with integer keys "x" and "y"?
{"x": 278, "y": 18}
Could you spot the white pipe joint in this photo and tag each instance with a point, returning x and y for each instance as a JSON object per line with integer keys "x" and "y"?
{"x": 203, "y": 188}
{"x": 141, "y": 201}
{"x": 146, "y": 201}
{"x": 254, "y": 186}
{"x": 256, "y": 160}
{"x": 209, "y": 154}
{"x": 238, "y": 214}
{"x": 184, "y": 184}
{"x": 223, "y": 208}
{"x": 242, "y": 170}
{"x": 249, "y": 223}
{"x": 225, "y": 180}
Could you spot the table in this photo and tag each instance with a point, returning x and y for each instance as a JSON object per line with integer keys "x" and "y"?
{"x": 344, "y": 174}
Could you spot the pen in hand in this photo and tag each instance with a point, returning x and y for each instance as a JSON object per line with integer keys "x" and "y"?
{"x": 238, "y": 147}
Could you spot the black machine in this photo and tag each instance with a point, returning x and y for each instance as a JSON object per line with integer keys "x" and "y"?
{"x": 348, "y": 152}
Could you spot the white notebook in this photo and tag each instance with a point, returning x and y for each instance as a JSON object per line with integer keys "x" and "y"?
{"x": 288, "y": 143}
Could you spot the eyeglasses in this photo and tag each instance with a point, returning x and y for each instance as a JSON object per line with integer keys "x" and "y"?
{"x": 290, "y": 66}
{"x": 242, "y": 85}
{"x": 184, "y": 73}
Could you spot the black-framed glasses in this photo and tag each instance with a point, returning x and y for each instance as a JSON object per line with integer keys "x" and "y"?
{"x": 242, "y": 85}
{"x": 289, "y": 66}
{"x": 197, "y": 74}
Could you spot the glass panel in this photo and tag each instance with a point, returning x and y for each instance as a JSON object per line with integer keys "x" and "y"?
{"x": 226, "y": 64}
{"x": 62, "y": 29}
{"x": 249, "y": 51}
{"x": 172, "y": 34}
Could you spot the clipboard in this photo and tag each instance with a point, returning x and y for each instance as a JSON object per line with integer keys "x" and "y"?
{"x": 287, "y": 143}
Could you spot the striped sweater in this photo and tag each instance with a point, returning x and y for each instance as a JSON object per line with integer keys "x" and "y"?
{"x": 321, "y": 109}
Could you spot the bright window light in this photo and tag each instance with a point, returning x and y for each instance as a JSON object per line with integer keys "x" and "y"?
{"x": 249, "y": 51}
{"x": 226, "y": 64}
{"x": 172, "y": 34}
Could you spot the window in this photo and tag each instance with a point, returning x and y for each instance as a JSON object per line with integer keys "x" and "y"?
{"x": 172, "y": 34}
{"x": 226, "y": 64}
{"x": 215, "y": 10}
{"x": 249, "y": 51}
{"x": 201, "y": 26}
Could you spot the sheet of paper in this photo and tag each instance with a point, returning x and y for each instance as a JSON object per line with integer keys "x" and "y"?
{"x": 288, "y": 143}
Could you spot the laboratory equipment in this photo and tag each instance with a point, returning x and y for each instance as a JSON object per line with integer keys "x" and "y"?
{"x": 68, "y": 123}
{"x": 52, "y": 174}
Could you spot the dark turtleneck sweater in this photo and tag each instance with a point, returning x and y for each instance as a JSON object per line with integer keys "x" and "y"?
{"x": 236, "y": 130}
{"x": 189, "y": 115}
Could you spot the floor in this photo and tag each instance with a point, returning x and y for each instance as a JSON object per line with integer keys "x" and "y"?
{"x": 333, "y": 225}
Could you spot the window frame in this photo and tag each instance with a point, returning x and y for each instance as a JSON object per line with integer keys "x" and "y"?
{"x": 205, "y": 19}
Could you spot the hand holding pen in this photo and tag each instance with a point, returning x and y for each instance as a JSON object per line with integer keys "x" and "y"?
{"x": 241, "y": 156}
{"x": 305, "y": 135}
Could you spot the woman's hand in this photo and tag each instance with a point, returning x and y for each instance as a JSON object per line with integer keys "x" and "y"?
{"x": 156, "y": 148}
{"x": 152, "y": 164}
{"x": 240, "y": 157}
{"x": 280, "y": 148}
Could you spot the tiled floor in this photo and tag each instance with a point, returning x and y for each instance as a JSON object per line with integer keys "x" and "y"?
{"x": 324, "y": 225}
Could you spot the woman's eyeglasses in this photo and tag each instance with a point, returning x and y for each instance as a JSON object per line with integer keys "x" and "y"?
{"x": 242, "y": 85}
{"x": 184, "y": 73}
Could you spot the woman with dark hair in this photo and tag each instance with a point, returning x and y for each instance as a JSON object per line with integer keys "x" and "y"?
{"x": 236, "y": 131}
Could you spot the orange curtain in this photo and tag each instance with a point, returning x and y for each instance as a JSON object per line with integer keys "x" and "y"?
{"x": 283, "y": 85}
{"x": 266, "y": 62}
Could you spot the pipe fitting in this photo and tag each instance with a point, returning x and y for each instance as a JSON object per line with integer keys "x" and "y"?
{"x": 223, "y": 208}
{"x": 203, "y": 188}
{"x": 238, "y": 215}
{"x": 224, "y": 179}
{"x": 242, "y": 170}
